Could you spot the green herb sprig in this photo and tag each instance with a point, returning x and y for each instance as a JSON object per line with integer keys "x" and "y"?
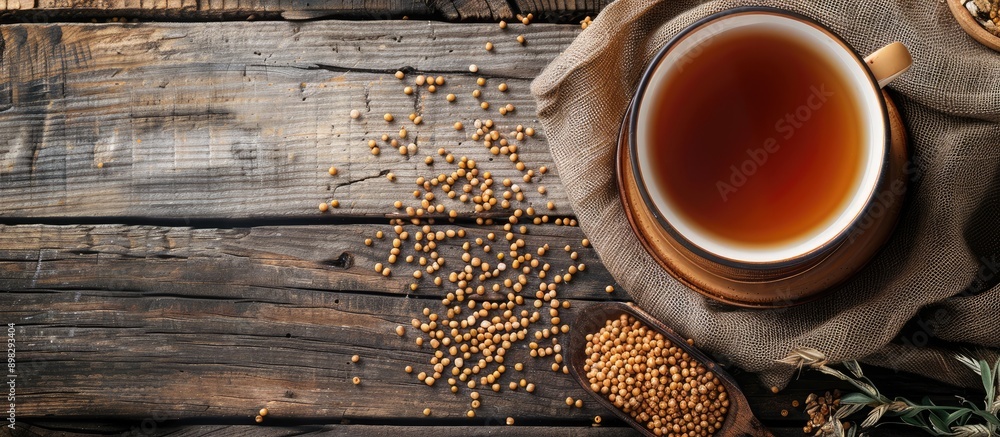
{"x": 964, "y": 420}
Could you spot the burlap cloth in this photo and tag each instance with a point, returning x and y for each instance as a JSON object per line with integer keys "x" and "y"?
{"x": 935, "y": 281}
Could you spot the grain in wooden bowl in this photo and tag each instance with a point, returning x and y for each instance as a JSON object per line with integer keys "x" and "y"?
{"x": 980, "y": 19}
{"x": 659, "y": 408}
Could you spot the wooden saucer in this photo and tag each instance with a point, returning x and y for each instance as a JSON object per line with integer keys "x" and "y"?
{"x": 971, "y": 26}
{"x": 797, "y": 286}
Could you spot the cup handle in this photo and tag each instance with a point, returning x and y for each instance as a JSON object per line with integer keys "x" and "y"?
{"x": 888, "y": 62}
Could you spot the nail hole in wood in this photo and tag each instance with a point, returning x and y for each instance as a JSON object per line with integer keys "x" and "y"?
{"x": 344, "y": 261}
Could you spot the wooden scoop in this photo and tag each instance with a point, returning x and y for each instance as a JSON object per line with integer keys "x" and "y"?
{"x": 740, "y": 421}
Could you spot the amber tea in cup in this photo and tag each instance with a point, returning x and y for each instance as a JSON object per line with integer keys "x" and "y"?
{"x": 779, "y": 151}
{"x": 760, "y": 137}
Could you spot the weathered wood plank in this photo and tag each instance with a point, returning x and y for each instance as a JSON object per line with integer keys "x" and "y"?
{"x": 241, "y": 120}
{"x": 353, "y": 431}
{"x": 402, "y": 430}
{"x": 91, "y": 353}
{"x": 474, "y": 9}
{"x": 270, "y": 9}
{"x": 398, "y": 430}
{"x": 452, "y": 10}
{"x": 136, "y": 329}
{"x": 252, "y": 263}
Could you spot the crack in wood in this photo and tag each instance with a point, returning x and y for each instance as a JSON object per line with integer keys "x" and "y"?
{"x": 34, "y": 156}
{"x": 514, "y": 7}
{"x": 354, "y": 181}
{"x": 38, "y": 269}
{"x": 489, "y": 7}
{"x": 390, "y": 71}
{"x": 368, "y": 100}
{"x": 213, "y": 222}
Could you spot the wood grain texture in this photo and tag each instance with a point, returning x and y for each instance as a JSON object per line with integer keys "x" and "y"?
{"x": 392, "y": 431}
{"x": 252, "y": 263}
{"x": 130, "y": 356}
{"x": 249, "y": 127}
{"x": 131, "y": 323}
{"x": 210, "y": 324}
{"x": 348, "y": 430}
{"x": 475, "y": 9}
{"x": 49, "y": 11}
{"x": 88, "y": 353}
{"x": 36, "y": 11}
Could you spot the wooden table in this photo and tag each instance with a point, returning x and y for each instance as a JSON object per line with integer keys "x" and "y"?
{"x": 161, "y": 252}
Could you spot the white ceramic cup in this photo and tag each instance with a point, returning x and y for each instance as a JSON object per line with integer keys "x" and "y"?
{"x": 866, "y": 77}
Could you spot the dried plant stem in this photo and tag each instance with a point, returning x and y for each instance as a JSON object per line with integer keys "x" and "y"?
{"x": 965, "y": 420}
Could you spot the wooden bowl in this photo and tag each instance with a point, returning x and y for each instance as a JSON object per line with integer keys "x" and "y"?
{"x": 778, "y": 288}
{"x": 740, "y": 421}
{"x": 971, "y": 26}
